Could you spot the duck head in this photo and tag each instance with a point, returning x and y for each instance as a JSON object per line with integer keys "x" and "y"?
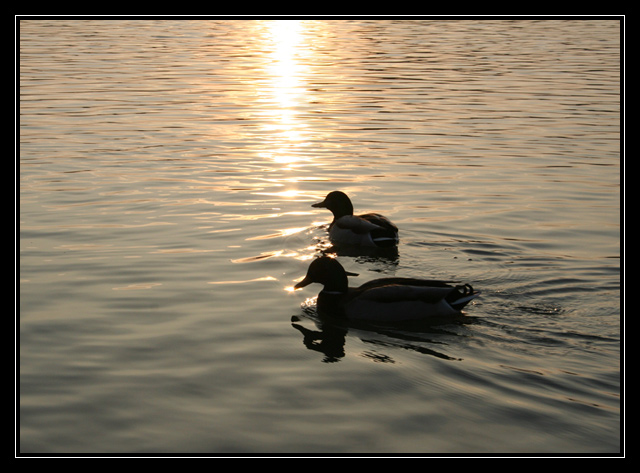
{"x": 337, "y": 202}
{"x": 328, "y": 272}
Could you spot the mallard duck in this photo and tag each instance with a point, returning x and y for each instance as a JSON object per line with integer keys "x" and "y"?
{"x": 388, "y": 299}
{"x": 372, "y": 229}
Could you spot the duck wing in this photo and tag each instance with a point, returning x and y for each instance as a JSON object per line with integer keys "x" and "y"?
{"x": 386, "y": 235}
{"x": 384, "y": 282}
{"x": 404, "y": 292}
{"x": 379, "y": 220}
{"x": 356, "y": 224}
{"x": 431, "y": 291}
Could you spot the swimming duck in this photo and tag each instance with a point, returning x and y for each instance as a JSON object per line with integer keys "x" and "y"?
{"x": 373, "y": 230}
{"x": 387, "y": 299}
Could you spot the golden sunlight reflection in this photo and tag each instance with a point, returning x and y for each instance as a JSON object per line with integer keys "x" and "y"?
{"x": 266, "y": 278}
{"x": 285, "y": 90}
{"x": 280, "y": 107}
{"x": 282, "y": 233}
{"x": 284, "y": 67}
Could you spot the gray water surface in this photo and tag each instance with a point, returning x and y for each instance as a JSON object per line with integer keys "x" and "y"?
{"x": 166, "y": 174}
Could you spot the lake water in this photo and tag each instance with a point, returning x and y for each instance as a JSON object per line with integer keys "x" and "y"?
{"x": 167, "y": 170}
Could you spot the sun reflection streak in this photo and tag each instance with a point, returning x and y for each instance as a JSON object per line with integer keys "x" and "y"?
{"x": 285, "y": 91}
{"x": 281, "y": 110}
{"x": 285, "y": 68}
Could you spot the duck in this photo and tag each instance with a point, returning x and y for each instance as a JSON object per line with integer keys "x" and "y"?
{"x": 393, "y": 299}
{"x": 366, "y": 230}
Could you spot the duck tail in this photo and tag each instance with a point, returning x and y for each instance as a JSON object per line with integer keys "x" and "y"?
{"x": 461, "y": 296}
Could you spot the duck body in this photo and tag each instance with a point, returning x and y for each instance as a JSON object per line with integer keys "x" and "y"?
{"x": 386, "y": 299}
{"x": 370, "y": 230}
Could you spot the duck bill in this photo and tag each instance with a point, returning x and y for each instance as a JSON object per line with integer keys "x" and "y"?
{"x": 320, "y": 205}
{"x": 303, "y": 283}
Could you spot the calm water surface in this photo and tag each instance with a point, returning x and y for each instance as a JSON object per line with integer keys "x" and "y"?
{"x": 167, "y": 170}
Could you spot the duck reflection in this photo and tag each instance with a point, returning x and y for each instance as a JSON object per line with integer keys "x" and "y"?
{"x": 329, "y": 336}
{"x": 328, "y": 340}
{"x": 389, "y": 255}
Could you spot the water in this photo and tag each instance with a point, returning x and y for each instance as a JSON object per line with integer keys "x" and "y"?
{"x": 166, "y": 174}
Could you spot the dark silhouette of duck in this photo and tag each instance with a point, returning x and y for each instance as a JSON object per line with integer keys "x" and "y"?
{"x": 368, "y": 230}
{"x": 392, "y": 299}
